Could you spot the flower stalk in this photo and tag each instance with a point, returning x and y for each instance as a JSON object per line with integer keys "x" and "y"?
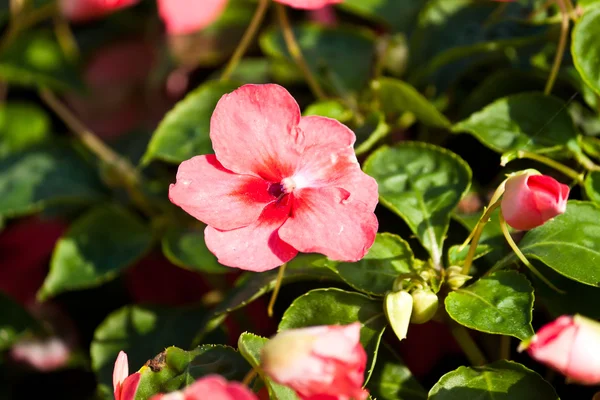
{"x": 278, "y": 283}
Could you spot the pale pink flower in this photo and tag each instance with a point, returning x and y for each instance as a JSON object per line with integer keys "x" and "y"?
{"x": 124, "y": 385}
{"x": 84, "y": 10}
{"x": 309, "y": 4}
{"x": 210, "y": 387}
{"x": 187, "y": 16}
{"x": 42, "y": 354}
{"x": 278, "y": 184}
{"x": 323, "y": 362}
{"x": 570, "y": 345}
{"x": 530, "y": 200}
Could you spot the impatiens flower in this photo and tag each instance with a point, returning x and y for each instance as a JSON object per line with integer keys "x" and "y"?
{"x": 530, "y": 200}
{"x": 211, "y": 387}
{"x": 124, "y": 385}
{"x": 187, "y": 16}
{"x": 278, "y": 184}
{"x": 570, "y": 345}
{"x": 42, "y": 354}
{"x": 323, "y": 362}
{"x": 309, "y": 4}
{"x": 84, "y": 10}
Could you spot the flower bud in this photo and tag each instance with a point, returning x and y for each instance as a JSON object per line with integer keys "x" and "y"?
{"x": 398, "y": 307}
{"x": 318, "y": 362}
{"x": 84, "y": 10}
{"x": 455, "y": 278}
{"x": 125, "y": 385}
{"x": 425, "y": 305}
{"x": 570, "y": 345}
{"x": 531, "y": 199}
{"x": 210, "y": 386}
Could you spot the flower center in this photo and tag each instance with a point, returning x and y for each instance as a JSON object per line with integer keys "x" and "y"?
{"x": 278, "y": 190}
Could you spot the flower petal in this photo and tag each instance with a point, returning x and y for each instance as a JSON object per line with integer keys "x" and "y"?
{"x": 254, "y": 131}
{"x": 187, "y": 16}
{"x": 328, "y": 221}
{"x": 120, "y": 371}
{"x": 308, "y": 4}
{"x": 216, "y": 196}
{"x": 256, "y": 247}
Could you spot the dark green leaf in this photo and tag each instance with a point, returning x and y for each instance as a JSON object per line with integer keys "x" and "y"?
{"x": 456, "y": 256}
{"x": 398, "y": 15}
{"x": 95, "y": 249}
{"x": 585, "y": 49}
{"x": 334, "y": 306}
{"x": 389, "y": 257}
{"x": 422, "y": 184}
{"x": 15, "y": 322}
{"x": 592, "y": 186}
{"x": 40, "y": 177}
{"x": 500, "y": 303}
{"x": 527, "y": 121}
{"x": 184, "y": 131}
{"x": 22, "y": 125}
{"x": 186, "y": 248}
{"x": 502, "y": 380}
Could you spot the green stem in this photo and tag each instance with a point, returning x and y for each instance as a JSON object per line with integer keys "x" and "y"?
{"x": 467, "y": 344}
{"x": 296, "y": 52}
{"x": 249, "y": 35}
{"x": 504, "y": 347}
{"x": 249, "y": 377}
{"x": 571, "y": 173}
{"x": 476, "y": 236}
{"x": 278, "y": 283}
{"x": 22, "y": 21}
{"x": 560, "y": 51}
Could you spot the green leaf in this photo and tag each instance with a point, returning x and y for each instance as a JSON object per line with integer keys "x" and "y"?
{"x": 339, "y": 57}
{"x": 186, "y": 248}
{"x": 421, "y": 183}
{"x": 95, "y": 249}
{"x": 585, "y": 49}
{"x": 491, "y": 236}
{"x": 501, "y": 380}
{"x": 398, "y": 15}
{"x": 32, "y": 180}
{"x": 250, "y": 346}
{"x": 389, "y": 257}
{"x": 334, "y": 306}
{"x": 392, "y": 380}
{"x": 36, "y": 59}
{"x": 174, "y": 368}
{"x": 141, "y": 331}
{"x": 329, "y": 108}
{"x": 249, "y": 70}
{"x": 22, "y": 125}
{"x": 592, "y": 186}
{"x": 457, "y": 256}
{"x": 500, "y": 303}
{"x": 15, "y": 322}
{"x": 184, "y": 131}
{"x": 569, "y": 243}
{"x": 396, "y": 97}
{"x": 527, "y": 121}
{"x": 373, "y": 129}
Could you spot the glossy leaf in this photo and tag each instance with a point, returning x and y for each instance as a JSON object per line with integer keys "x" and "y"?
{"x": 399, "y": 16}
{"x": 334, "y": 306}
{"x": 187, "y": 248}
{"x": 340, "y": 55}
{"x": 501, "y": 380}
{"x": 184, "y": 131}
{"x": 44, "y": 176}
{"x": 527, "y": 121}
{"x": 500, "y": 303}
{"x": 389, "y": 257}
{"x": 250, "y": 346}
{"x": 422, "y": 184}
{"x": 592, "y": 186}
{"x": 15, "y": 322}
{"x": 396, "y": 97}
{"x": 22, "y": 125}
{"x": 95, "y": 249}
{"x": 585, "y": 49}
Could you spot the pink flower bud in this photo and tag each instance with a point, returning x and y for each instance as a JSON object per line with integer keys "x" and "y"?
{"x": 530, "y": 200}
{"x": 213, "y": 387}
{"x": 318, "y": 362}
{"x": 124, "y": 385}
{"x": 84, "y": 10}
{"x": 187, "y": 16}
{"x": 570, "y": 345}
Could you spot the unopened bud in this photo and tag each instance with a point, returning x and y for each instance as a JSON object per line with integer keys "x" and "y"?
{"x": 425, "y": 305}
{"x": 456, "y": 279}
{"x": 398, "y": 308}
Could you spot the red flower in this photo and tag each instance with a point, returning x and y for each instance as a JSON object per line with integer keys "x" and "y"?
{"x": 570, "y": 345}
{"x": 84, "y": 10}
{"x": 278, "y": 184}
{"x": 124, "y": 385}
{"x": 322, "y": 362}
{"x": 309, "y": 4}
{"x": 210, "y": 387}
{"x": 530, "y": 200}
{"x": 187, "y": 16}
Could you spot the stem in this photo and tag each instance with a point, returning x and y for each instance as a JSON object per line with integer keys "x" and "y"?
{"x": 65, "y": 38}
{"x": 476, "y": 235}
{"x": 24, "y": 21}
{"x": 560, "y": 51}
{"x": 278, "y": 283}
{"x": 249, "y": 35}
{"x": 571, "y": 10}
{"x": 467, "y": 344}
{"x": 504, "y": 347}
{"x": 296, "y": 52}
{"x": 571, "y": 173}
{"x": 130, "y": 178}
{"x": 249, "y": 377}
{"x": 521, "y": 256}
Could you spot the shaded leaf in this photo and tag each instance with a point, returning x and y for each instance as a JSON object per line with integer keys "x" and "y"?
{"x": 186, "y": 248}
{"x": 22, "y": 125}
{"x": 585, "y": 49}
{"x": 400, "y": 16}
{"x": 15, "y": 322}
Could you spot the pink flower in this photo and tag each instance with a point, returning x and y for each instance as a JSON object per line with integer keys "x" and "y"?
{"x": 309, "y": 4}
{"x": 124, "y": 385}
{"x": 42, "y": 354}
{"x": 323, "y": 362}
{"x": 84, "y": 10}
{"x": 278, "y": 184}
{"x": 530, "y": 200}
{"x": 211, "y": 387}
{"x": 187, "y": 16}
{"x": 570, "y": 345}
